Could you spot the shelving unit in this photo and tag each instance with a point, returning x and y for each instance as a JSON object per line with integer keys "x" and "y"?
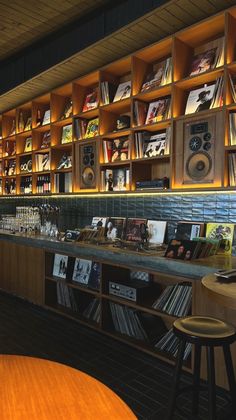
{"x": 216, "y": 33}
{"x": 136, "y": 322}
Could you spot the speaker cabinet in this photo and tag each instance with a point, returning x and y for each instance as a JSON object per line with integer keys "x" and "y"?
{"x": 199, "y": 151}
{"x": 87, "y": 165}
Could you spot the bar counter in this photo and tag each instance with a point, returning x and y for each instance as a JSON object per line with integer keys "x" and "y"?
{"x": 142, "y": 260}
{"x": 26, "y": 271}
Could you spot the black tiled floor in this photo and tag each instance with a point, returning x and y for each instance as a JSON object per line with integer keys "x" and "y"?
{"x": 141, "y": 380}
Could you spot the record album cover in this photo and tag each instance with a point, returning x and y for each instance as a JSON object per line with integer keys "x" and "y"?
{"x": 156, "y": 231}
{"x": 199, "y": 99}
{"x": 82, "y": 270}
{"x": 60, "y": 266}
{"x": 136, "y": 229}
{"x": 224, "y": 232}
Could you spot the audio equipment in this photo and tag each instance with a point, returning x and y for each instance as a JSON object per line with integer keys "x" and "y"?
{"x": 199, "y": 151}
{"x": 134, "y": 290}
{"x": 88, "y": 165}
{"x": 71, "y": 235}
{"x": 161, "y": 183}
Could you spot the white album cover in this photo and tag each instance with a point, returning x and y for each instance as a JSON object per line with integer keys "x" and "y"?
{"x": 60, "y": 265}
{"x": 82, "y": 270}
{"x": 200, "y": 99}
{"x": 156, "y": 231}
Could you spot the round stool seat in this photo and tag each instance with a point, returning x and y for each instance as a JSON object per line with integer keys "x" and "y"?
{"x": 202, "y": 328}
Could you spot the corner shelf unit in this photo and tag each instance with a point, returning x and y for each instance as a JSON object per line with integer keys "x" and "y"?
{"x": 46, "y": 120}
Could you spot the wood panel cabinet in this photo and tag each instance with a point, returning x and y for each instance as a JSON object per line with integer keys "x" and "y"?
{"x": 22, "y": 271}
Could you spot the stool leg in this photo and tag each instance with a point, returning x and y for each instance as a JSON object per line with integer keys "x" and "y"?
{"x": 196, "y": 379}
{"x": 178, "y": 367}
{"x": 211, "y": 382}
{"x": 231, "y": 377}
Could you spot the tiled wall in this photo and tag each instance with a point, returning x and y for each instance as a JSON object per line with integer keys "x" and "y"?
{"x": 78, "y": 211}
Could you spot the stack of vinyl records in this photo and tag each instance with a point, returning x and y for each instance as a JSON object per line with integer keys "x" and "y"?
{"x": 126, "y": 321}
{"x": 169, "y": 343}
{"x": 66, "y": 296}
{"x": 175, "y": 300}
{"x": 93, "y": 310}
{"x": 136, "y": 324}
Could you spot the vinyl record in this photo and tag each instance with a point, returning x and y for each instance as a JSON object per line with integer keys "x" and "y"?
{"x": 88, "y": 176}
{"x": 198, "y": 165}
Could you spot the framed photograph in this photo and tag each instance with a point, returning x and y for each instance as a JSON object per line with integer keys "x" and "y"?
{"x": 157, "y": 110}
{"x": 182, "y": 250}
{"x": 91, "y": 100}
{"x": 120, "y": 179}
{"x": 116, "y": 228}
{"x": 92, "y": 128}
{"x": 155, "y": 145}
{"x": 156, "y": 231}
{"x": 189, "y": 230}
{"x": 46, "y": 117}
{"x": 95, "y": 276}
{"x": 203, "y": 62}
{"x": 99, "y": 222}
{"x": 66, "y": 135}
{"x": 68, "y": 109}
{"x": 224, "y": 232}
{"x": 123, "y": 91}
{"x": 199, "y": 99}
{"x": 154, "y": 78}
{"x": 82, "y": 270}
{"x": 134, "y": 229}
{"x": 46, "y": 140}
{"x": 120, "y": 149}
{"x": 28, "y": 124}
{"x": 60, "y": 266}
{"x": 28, "y": 145}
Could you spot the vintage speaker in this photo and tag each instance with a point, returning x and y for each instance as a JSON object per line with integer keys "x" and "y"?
{"x": 199, "y": 151}
{"x": 88, "y": 165}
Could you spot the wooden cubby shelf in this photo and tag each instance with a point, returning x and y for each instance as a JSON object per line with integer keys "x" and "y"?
{"x": 148, "y": 91}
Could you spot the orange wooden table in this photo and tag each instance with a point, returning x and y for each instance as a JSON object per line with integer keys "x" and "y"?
{"x": 222, "y": 292}
{"x": 38, "y": 389}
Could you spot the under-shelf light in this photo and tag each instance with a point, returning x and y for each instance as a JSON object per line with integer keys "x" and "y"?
{"x": 127, "y": 194}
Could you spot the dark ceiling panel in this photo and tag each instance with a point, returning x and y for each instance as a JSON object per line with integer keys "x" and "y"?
{"x": 48, "y": 59}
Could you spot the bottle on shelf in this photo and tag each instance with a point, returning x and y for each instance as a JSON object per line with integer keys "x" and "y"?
{"x": 13, "y": 186}
{"x": 13, "y": 128}
{"x": 7, "y": 148}
{"x": 21, "y": 123}
{"x": 38, "y": 118}
{"x": 43, "y": 184}
{"x": 28, "y": 185}
{"x": 6, "y": 168}
{"x": 7, "y": 186}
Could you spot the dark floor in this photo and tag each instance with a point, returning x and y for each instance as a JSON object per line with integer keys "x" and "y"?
{"x": 141, "y": 380}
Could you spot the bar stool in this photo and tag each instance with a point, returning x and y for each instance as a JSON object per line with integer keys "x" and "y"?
{"x": 209, "y": 332}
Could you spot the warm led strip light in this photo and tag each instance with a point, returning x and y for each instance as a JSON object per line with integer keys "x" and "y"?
{"x": 128, "y": 194}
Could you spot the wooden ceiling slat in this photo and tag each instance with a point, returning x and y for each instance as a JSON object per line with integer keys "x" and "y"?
{"x": 159, "y": 23}
{"x": 205, "y": 5}
{"x": 185, "y": 17}
{"x": 193, "y": 10}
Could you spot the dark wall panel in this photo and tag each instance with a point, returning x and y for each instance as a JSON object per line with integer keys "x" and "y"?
{"x": 71, "y": 39}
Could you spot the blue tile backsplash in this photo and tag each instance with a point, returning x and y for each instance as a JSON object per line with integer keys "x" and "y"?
{"x": 78, "y": 211}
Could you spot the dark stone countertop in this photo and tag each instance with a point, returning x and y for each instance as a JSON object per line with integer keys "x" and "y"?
{"x": 152, "y": 262}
